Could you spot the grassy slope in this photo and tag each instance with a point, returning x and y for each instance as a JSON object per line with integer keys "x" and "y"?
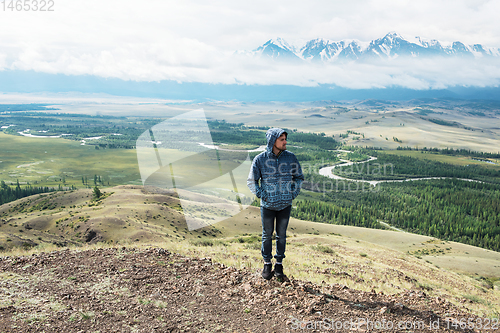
{"x": 454, "y": 256}
{"x": 124, "y": 214}
{"x": 47, "y": 160}
{"x": 360, "y": 258}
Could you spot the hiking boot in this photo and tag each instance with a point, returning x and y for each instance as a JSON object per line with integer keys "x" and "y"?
{"x": 278, "y": 271}
{"x": 267, "y": 272}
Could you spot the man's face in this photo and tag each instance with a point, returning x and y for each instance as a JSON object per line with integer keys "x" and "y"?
{"x": 281, "y": 142}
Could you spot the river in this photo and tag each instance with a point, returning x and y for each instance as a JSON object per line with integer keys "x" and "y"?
{"x": 327, "y": 172}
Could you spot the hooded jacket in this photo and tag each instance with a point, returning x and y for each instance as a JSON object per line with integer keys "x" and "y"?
{"x": 276, "y": 180}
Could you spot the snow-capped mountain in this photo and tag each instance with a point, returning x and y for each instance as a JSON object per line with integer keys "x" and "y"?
{"x": 277, "y": 49}
{"x": 390, "y": 46}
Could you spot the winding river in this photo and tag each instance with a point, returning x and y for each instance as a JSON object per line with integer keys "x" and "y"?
{"x": 327, "y": 172}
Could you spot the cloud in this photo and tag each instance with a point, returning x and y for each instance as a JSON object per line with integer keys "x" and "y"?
{"x": 203, "y": 63}
{"x": 410, "y": 73}
{"x": 195, "y": 41}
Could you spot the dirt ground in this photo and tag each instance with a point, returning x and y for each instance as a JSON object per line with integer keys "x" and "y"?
{"x": 153, "y": 290}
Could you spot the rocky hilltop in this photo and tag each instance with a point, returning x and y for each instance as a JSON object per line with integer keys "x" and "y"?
{"x": 154, "y": 290}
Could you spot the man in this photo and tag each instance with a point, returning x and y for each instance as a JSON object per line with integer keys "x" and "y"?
{"x": 280, "y": 177}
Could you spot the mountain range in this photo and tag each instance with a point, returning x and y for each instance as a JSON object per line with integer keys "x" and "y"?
{"x": 391, "y": 46}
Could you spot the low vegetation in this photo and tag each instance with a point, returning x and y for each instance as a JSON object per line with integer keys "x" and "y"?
{"x": 95, "y": 216}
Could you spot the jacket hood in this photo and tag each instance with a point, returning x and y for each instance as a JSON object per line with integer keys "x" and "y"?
{"x": 272, "y": 135}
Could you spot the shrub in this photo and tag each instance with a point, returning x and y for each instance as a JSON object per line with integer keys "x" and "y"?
{"x": 323, "y": 248}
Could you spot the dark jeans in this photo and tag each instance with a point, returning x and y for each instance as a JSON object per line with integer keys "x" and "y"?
{"x": 268, "y": 217}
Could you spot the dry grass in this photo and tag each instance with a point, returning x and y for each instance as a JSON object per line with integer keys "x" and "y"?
{"x": 358, "y": 265}
{"x": 328, "y": 259}
{"x": 363, "y": 259}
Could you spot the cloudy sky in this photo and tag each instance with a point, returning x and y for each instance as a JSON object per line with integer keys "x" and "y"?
{"x": 193, "y": 40}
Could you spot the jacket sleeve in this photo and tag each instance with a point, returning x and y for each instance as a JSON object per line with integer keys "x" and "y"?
{"x": 297, "y": 179}
{"x": 253, "y": 179}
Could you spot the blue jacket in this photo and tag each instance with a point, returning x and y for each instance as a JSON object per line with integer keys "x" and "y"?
{"x": 280, "y": 176}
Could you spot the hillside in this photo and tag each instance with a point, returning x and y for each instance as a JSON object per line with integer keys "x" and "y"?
{"x": 128, "y": 214}
{"x": 153, "y": 290}
{"x": 133, "y": 245}
{"x": 72, "y": 218}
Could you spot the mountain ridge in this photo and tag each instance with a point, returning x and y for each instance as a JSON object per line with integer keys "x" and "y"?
{"x": 392, "y": 45}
